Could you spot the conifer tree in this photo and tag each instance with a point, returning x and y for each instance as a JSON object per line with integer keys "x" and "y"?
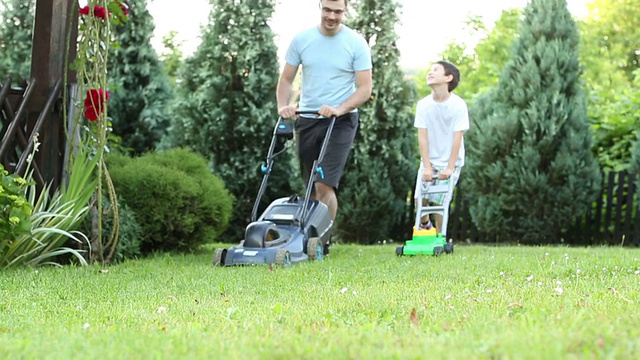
{"x": 380, "y": 173}
{"x": 530, "y": 170}
{"x": 16, "y": 33}
{"x": 140, "y": 90}
{"x": 226, "y": 107}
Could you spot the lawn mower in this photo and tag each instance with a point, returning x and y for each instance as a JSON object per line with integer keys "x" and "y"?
{"x": 427, "y": 241}
{"x": 291, "y": 229}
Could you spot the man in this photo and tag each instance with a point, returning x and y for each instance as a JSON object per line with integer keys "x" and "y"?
{"x": 336, "y": 80}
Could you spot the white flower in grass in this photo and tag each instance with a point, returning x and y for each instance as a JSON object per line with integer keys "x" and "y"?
{"x": 344, "y": 290}
{"x": 447, "y": 297}
{"x": 85, "y": 326}
{"x": 530, "y": 277}
{"x": 79, "y": 308}
{"x": 637, "y": 272}
{"x": 539, "y": 283}
{"x": 489, "y": 291}
{"x": 501, "y": 273}
{"x": 578, "y": 271}
{"x": 604, "y": 269}
{"x": 559, "y": 290}
{"x": 354, "y": 292}
{"x": 559, "y": 283}
{"x": 546, "y": 254}
{"x": 161, "y": 310}
{"x": 553, "y": 263}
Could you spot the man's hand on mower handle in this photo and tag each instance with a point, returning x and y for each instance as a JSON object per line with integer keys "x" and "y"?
{"x": 287, "y": 112}
{"x": 328, "y": 111}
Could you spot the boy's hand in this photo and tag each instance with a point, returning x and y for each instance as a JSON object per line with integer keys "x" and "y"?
{"x": 445, "y": 174}
{"x": 427, "y": 174}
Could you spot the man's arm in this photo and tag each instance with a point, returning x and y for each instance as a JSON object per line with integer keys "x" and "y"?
{"x": 283, "y": 92}
{"x": 364, "y": 86}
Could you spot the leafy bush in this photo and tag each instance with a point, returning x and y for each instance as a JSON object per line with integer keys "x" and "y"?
{"x": 130, "y": 232}
{"x": 15, "y": 210}
{"x": 178, "y": 203}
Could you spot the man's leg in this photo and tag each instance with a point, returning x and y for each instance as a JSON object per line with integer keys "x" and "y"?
{"x": 327, "y": 195}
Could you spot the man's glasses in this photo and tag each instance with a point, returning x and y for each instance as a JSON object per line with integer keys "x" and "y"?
{"x": 327, "y": 11}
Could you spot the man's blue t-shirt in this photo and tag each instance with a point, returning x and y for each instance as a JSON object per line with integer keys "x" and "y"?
{"x": 328, "y": 64}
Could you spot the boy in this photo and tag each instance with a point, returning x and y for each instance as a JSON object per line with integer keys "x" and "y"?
{"x": 442, "y": 118}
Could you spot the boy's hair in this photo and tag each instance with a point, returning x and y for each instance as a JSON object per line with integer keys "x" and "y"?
{"x": 450, "y": 69}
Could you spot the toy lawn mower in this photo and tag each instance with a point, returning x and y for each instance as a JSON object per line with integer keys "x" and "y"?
{"x": 427, "y": 241}
{"x": 291, "y": 229}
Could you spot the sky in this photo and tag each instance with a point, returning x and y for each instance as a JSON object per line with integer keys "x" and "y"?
{"x": 426, "y": 26}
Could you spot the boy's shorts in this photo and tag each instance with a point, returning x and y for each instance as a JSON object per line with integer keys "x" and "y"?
{"x": 440, "y": 198}
{"x": 310, "y": 133}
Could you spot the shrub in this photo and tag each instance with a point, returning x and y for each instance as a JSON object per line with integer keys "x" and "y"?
{"x": 15, "y": 210}
{"x": 178, "y": 203}
{"x": 130, "y": 232}
{"x": 529, "y": 162}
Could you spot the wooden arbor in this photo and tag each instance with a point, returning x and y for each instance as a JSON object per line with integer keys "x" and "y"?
{"x": 37, "y": 110}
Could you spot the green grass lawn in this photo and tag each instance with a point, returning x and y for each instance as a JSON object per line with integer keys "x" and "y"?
{"x": 361, "y": 303}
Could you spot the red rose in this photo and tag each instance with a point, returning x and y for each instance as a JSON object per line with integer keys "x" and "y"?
{"x": 100, "y": 12}
{"x": 94, "y": 103}
{"x": 90, "y": 113}
{"x": 85, "y": 10}
{"x": 96, "y": 98}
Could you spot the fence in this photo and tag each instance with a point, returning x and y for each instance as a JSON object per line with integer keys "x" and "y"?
{"x": 612, "y": 220}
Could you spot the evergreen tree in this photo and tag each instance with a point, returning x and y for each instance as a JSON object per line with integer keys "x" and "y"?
{"x": 172, "y": 57}
{"x": 226, "y": 107}
{"x": 140, "y": 91}
{"x": 16, "y": 33}
{"x": 531, "y": 171}
{"x": 380, "y": 174}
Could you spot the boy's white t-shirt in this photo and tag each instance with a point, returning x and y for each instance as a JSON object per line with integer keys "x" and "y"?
{"x": 442, "y": 119}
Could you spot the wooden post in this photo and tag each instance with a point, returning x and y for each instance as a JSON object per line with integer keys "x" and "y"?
{"x": 54, "y": 19}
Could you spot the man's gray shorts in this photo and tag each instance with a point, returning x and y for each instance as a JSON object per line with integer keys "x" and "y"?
{"x": 310, "y": 132}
